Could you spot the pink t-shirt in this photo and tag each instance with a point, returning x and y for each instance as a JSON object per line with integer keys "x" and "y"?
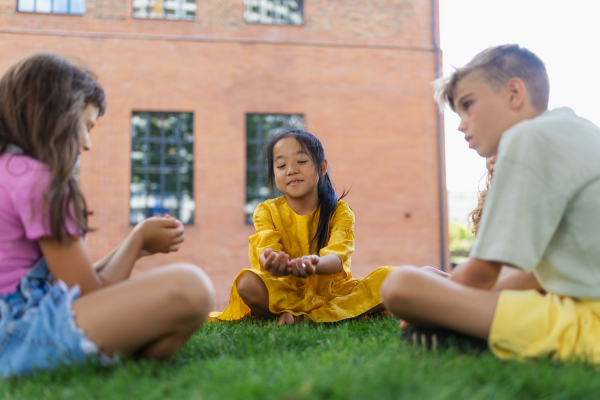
{"x": 23, "y": 182}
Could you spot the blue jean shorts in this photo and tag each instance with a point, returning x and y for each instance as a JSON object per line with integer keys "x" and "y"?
{"x": 37, "y": 326}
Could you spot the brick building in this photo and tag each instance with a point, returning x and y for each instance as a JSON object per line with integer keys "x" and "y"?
{"x": 186, "y": 79}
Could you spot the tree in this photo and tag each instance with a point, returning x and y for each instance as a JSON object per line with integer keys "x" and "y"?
{"x": 461, "y": 240}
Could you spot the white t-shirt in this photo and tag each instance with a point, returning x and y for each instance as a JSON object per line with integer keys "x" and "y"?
{"x": 542, "y": 212}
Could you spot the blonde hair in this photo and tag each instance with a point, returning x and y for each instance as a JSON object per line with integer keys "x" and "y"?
{"x": 496, "y": 66}
{"x": 475, "y": 215}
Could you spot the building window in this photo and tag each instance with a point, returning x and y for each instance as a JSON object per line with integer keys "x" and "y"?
{"x": 281, "y": 12}
{"x": 162, "y": 166}
{"x": 259, "y": 130}
{"x": 52, "y": 6}
{"x": 164, "y": 9}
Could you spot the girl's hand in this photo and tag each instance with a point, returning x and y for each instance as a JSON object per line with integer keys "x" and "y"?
{"x": 159, "y": 235}
{"x": 276, "y": 263}
{"x": 303, "y": 267}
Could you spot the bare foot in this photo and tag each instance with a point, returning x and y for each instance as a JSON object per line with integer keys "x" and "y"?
{"x": 286, "y": 319}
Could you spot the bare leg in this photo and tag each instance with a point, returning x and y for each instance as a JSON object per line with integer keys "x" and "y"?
{"x": 436, "y": 271}
{"x": 381, "y": 307}
{"x": 516, "y": 279}
{"x": 423, "y": 298}
{"x": 509, "y": 279}
{"x": 151, "y": 316}
{"x": 254, "y": 293}
{"x": 378, "y": 308}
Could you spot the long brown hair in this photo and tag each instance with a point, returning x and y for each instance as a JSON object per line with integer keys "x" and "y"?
{"x": 475, "y": 215}
{"x": 41, "y": 101}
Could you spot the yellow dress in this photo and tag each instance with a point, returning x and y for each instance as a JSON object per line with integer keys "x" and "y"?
{"x": 322, "y": 298}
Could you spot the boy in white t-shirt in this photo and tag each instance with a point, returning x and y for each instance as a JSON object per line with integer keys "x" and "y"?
{"x": 541, "y": 214}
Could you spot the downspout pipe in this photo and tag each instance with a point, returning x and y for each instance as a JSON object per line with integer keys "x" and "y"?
{"x": 442, "y": 209}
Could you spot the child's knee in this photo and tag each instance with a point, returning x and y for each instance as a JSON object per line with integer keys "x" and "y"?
{"x": 191, "y": 287}
{"x": 400, "y": 284}
{"x": 251, "y": 288}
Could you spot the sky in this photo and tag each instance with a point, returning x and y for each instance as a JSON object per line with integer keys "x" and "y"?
{"x": 565, "y": 35}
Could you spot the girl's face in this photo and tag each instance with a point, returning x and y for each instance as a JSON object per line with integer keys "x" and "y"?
{"x": 89, "y": 115}
{"x": 295, "y": 173}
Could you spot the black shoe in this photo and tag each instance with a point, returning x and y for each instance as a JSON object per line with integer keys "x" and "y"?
{"x": 439, "y": 338}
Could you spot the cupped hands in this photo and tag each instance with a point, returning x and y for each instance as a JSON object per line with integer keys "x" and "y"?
{"x": 304, "y": 266}
{"x": 160, "y": 235}
{"x": 279, "y": 264}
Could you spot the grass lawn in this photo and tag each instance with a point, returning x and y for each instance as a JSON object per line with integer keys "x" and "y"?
{"x": 352, "y": 360}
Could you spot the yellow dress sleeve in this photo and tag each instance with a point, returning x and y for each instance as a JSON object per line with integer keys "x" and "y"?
{"x": 341, "y": 239}
{"x": 265, "y": 236}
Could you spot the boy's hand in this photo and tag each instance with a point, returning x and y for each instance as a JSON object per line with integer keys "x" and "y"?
{"x": 160, "y": 235}
{"x": 304, "y": 266}
{"x": 276, "y": 263}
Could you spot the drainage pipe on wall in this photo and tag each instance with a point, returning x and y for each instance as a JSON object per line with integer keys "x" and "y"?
{"x": 436, "y": 49}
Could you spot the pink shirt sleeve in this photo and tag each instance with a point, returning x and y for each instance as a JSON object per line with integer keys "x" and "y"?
{"x": 29, "y": 201}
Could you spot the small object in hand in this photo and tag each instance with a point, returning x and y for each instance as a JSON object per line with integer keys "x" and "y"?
{"x": 303, "y": 265}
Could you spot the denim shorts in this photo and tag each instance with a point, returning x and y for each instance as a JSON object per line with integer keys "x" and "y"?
{"x": 37, "y": 326}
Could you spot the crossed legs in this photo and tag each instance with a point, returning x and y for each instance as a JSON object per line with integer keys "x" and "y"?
{"x": 422, "y": 298}
{"x": 150, "y": 316}
{"x": 254, "y": 293}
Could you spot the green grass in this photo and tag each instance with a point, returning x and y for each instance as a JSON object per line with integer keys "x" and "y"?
{"x": 352, "y": 360}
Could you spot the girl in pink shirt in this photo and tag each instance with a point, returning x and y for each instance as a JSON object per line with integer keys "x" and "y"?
{"x": 55, "y": 305}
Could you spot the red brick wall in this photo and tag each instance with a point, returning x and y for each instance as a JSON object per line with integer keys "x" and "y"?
{"x": 359, "y": 72}
{"x": 358, "y": 22}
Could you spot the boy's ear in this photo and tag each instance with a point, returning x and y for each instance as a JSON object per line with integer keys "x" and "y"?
{"x": 517, "y": 92}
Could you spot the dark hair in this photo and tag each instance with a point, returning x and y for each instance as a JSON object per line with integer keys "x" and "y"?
{"x": 327, "y": 197}
{"x": 41, "y": 101}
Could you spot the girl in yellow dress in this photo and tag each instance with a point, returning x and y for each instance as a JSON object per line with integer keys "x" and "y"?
{"x": 300, "y": 253}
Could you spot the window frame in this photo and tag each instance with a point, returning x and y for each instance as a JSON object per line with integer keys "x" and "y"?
{"x": 165, "y": 17}
{"x": 260, "y": 167}
{"x": 163, "y": 168}
{"x": 277, "y": 23}
{"x": 68, "y": 12}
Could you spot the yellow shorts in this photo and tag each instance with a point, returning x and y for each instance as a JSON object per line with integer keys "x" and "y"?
{"x": 529, "y": 324}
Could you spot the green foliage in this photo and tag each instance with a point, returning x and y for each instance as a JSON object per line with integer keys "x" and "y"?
{"x": 461, "y": 238}
{"x": 351, "y": 360}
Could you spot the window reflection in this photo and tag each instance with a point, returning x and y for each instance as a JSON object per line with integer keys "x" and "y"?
{"x": 162, "y": 166}
{"x": 52, "y": 6}
{"x": 283, "y": 12}
{"x": 165, "y": 9}
{"x": 259, "y": 130}
{"x": 77, "y": 7}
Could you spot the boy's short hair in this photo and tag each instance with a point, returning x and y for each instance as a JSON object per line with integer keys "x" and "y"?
{"x": 496, "y": 66}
